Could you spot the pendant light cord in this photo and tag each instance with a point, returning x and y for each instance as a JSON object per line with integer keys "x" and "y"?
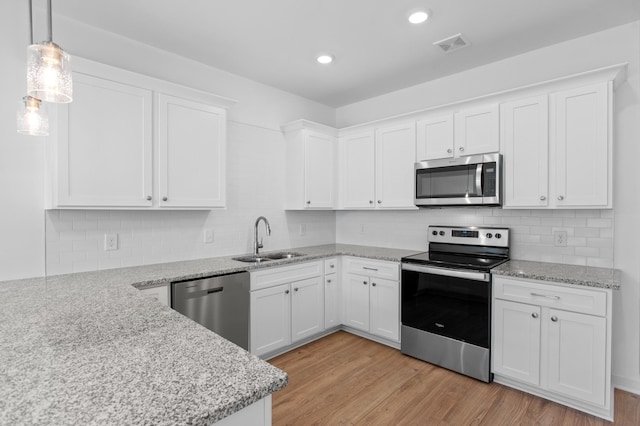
{"x": 50, "y": 21}
{"x": 30, "y": 22}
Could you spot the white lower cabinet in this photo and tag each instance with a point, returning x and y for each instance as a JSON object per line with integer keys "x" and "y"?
{"x": 554, "y": 341}
{"x": 372, "y": 297}
{"x": 287, "y": 306}
{"x": 161, "y": 294}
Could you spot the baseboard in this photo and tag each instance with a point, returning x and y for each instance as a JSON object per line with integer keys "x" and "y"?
{"x": 395, "y": 345}
{"x": 626, "y": 384}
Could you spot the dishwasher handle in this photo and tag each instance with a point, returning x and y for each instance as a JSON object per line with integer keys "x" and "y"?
{"x": 215, "y": 290}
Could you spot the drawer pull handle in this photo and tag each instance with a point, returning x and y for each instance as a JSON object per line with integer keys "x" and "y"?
{"x": 535, "y": 315}
{"x": 554, "y": 318}
{"x": 547, "y": 296}
{"x": 370, "y": 269}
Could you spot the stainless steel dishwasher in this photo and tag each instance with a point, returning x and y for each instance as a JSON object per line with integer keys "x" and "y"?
{"x": 220, "y": 303}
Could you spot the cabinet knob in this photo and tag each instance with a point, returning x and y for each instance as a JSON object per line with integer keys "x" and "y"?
{"x": 308, "y": 202}
{"x": 332, "y": 266}
{"x": 461, "y": 149}
{"x": 295, "y": 289}
{"x": 535, "y": 315}
{"x": 542, "y": 198}
{"x": 560, "y": 197}
{"x": 370, "y": 201}
{"x": 328, "y": 281}
{"x": 149, "y": 198}
{"x": 373, "y": 284}
{"x": 164, "y": 198}
{"x": 286, "y": 292}
{"x": 379, "y": 201}
{"x": 554, "y": 318}
{"x": 449, "y": 151}
{"x": 364, "y": 282}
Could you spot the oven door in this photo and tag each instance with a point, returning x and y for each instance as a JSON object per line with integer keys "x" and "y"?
{"x": 447, "y": 302}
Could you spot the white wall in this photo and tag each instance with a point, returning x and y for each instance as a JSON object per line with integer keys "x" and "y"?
{"x": 617, "y": 45}
{"x": 73, "y": 239}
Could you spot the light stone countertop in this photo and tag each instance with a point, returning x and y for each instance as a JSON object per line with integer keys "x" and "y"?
{"x": 87, "y": 348}
{"x": 561, "y": 273}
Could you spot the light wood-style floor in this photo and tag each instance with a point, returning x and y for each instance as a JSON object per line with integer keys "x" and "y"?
{"x": 345, "y": 379}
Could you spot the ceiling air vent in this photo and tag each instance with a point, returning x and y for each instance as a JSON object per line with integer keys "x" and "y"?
{"x": 452, "y": 43}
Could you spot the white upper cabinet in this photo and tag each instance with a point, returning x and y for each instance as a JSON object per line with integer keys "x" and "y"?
{"x": 191, "y": 153}
{"x": 435, "y": 137}
{"x": 582, "y": 140}
{"x": 311, "y": 152}
{"x": 100, "y": 153}
{"x": 376, "y": 168}
{"x": 557, "y": 149}
{"x": 525, "y": 138}
{"x": 357, "y": 170}
{"x": 477, "y": 130}
{"x": 467, "y": 132}
{"x": 395, "y": 159}
{"x": 102, "y": 146}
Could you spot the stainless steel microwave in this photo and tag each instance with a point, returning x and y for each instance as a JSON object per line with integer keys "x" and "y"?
{"x": 465, "y": 181}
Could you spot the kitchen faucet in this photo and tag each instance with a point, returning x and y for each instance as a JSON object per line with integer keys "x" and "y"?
{"x": 258, "y": 245}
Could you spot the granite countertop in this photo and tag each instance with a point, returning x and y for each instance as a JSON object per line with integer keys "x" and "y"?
{"x": 560, "y": 273}
{"x": 87, "y": 348}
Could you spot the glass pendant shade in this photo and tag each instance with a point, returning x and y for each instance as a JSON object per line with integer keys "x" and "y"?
{"x": 32, "y": 119}
{"x": 49, "y": 73}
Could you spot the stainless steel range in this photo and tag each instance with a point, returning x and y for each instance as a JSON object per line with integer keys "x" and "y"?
{"x": 446, "y": 298}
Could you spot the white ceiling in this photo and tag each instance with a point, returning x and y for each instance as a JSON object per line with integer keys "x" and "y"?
{"x": 376, "y": 49}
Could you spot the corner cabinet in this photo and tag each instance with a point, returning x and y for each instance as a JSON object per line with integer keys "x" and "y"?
{"x": 311, "y": 153}
{"x": 100, "y": 153}
{"x": 554, "y": 341}
{"x": 558, "y": 149}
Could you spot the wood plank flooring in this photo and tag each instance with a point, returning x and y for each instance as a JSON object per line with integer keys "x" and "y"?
{"x": 344, "y": 379}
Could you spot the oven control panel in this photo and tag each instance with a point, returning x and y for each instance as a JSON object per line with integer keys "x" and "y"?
{"x": 470, "y": 235}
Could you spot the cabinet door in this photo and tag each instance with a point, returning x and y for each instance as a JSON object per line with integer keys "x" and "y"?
{"x": 525, "y": 138}
{"x": 577, "y": 355}
{"x": 583, "y": 154}
{"x": 477, "y": 131}
{"x": 270, "y": 319}
{"x": 516, "y": 341}
{"x": 357, "y": 170}
{"x": 435, "y": 138}
{"x": 356, "y": 301}
{"x": 319, "y": 170}
{"x": 191, "y": 153}
{"x": 307, "y": 308}
{"x": 331, "y": 301}
{"x": 385, "y": 308}
{"x": 104, "y": 146}
{"x": 395, "y": 165}
{"x": 161, "y": 294}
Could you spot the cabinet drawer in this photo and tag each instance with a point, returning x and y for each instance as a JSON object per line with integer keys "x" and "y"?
{"x": 331, "y": 265}
{"x": 269, "y": 277}
{"x": 585, "y": 301}
{"x": 372, "y": 268}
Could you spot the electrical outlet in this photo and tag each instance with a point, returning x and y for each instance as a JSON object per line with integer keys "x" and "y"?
{"x": 303, "y": 229}
{"x": 110, "y": 242}
{"x": 560, "y": 238}
{"x": 208, "y": 236}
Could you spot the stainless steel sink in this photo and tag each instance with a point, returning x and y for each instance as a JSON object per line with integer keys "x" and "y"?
{"x": 251, "y": 258}
{"x": 283, "y": 255}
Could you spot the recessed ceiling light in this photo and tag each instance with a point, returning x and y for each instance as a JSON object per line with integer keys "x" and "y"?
{"x": 419, "y": 17}
{"x": 324, "y": 59}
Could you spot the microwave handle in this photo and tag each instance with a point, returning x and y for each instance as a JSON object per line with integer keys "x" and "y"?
{"x": 479, "y": 168}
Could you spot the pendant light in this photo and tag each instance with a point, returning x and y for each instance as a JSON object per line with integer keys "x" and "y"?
{"x": 49, "y": 69}
{"x": 31, "y": 117}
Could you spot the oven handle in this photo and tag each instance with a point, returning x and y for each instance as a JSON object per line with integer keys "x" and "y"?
{"x": 475, "y": 276}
